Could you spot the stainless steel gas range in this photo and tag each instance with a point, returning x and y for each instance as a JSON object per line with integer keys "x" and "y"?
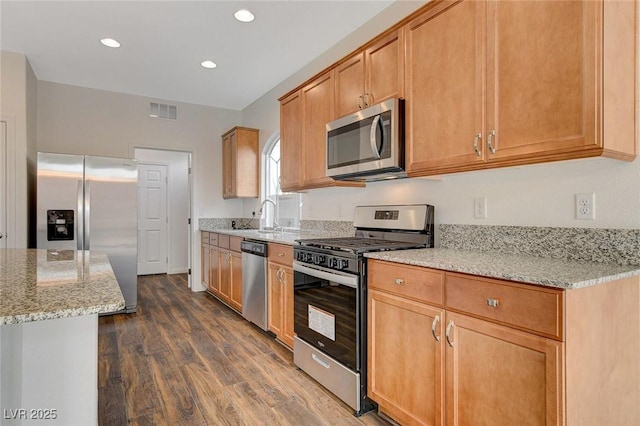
{"x": 330, "y": 295}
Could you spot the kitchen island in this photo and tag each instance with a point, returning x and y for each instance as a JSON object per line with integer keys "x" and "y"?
{"x": 49, "y": 306}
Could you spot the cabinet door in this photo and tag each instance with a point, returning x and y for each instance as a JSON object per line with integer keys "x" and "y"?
{"x": 274, "y": 285}
{"x": 291, "y": 142}
{"x": 228, "y": 166}
{"x": 287, "y": 311}
{"x": 214, "y": 269}
{"x": 317, "y": 101}
{"x": 349, "y": 85}
{"x": 444, "y": 77}
{"x": 225, "y": 275}
{"x": 500, "y": 376}
{"x": 384, "y": 68}
{"x": 205, "y": 265}
{"x": 235, "y": 296}
{"x": 542, "y": 83}
{"x": 406, "y": 362}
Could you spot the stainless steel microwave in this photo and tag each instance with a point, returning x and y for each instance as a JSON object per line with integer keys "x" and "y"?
{"x": 367, "y": 145}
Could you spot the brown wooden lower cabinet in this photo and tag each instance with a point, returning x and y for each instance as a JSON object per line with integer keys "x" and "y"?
{"x": 280, "y": 292}
{"x": 487, "y": 363}
{"x": 223, "y": 259}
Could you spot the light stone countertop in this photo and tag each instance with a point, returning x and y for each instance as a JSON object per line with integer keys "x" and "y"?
{"x": 544, "y": 271}
{"x": 37, "y": 285}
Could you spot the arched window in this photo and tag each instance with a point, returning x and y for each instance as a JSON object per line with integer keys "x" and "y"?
{"x": 286, "y": 212}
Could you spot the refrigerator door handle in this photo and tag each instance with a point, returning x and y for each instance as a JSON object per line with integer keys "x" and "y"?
{"x": 87, "y": 215}
{"x": 79, "y": 220}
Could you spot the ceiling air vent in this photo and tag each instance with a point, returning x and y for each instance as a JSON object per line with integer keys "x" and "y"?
{"x": 157, "y": 110}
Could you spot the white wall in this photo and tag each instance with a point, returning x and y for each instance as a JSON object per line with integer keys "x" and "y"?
{"x": 178, "y": 203}
{"x": 18, "y": 95}
{"x": 537, "y": 195}
{"x": 77, "y": 120}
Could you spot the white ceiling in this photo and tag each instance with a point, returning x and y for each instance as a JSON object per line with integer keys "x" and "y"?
{"x": 163, "y": 43}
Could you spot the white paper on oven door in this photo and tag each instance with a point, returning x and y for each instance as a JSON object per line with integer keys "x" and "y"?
{"x": 322, "y": 322}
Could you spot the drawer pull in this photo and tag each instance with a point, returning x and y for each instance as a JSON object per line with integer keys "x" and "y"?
{"x": 448, "y": 333}
{"x": 281, "y": 254}
{"x": 399, "y": 281}
{"x": 322, "y": 362}
{"x": 493, "y": 302}
{"x": 434, "y": 324}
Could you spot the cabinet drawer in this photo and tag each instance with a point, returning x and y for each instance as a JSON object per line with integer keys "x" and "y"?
{"x": 213, "y": 238}
{"x": 423, "y": 284}
{"x": 223, "y": 241}
{"x": 204, "y": 237}
{"x": 280, "y": 253}
{"x": 234, "y": 243}
{"x": 523, "y": 306}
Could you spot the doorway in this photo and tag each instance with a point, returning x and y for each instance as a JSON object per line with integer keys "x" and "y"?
{"x": 174, "y": 167}
{"x": 153, "y": 219}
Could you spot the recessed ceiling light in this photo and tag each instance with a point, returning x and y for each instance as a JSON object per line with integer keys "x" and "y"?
{"x": 208, "y": 64}
{"x": 109, "y": 42}
{"x": 243, "y": 15}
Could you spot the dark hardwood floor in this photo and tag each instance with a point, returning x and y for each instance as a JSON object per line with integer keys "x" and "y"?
{"x": 186, "y": 359}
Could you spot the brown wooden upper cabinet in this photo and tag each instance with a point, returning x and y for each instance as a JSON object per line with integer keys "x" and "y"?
{"x": 303, "y": 141}
{"x": 240, "y": 163}
{"x": 502, "y": 83}
{"x": 372, "y": 75}
{"x": 291, "y": 142}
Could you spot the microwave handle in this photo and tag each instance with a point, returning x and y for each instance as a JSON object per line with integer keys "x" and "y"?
{"x": 372, "y": 136}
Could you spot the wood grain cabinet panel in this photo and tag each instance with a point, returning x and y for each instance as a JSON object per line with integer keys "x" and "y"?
{"x": 205, "y": 263}
{"x": 424, "y": 285}
{"x": 225, "y": 269}
{"x": 535, "y": 309}
{"x": 492, "y": 84}
{"x": 405, "y": 361}
{"x": 280, "y": 289}
{"x": 372, "y": 75}
{"x": 291, "y": 142}
{"x": 303, "y": 118}
{"x": 240, "y": 163}
{"x": 444, "y": 77}
{"x": 499, "y": 376}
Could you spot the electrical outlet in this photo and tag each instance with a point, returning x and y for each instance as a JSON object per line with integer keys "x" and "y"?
{"x": 480, "y": 208}
{"x": 586, "y": 206}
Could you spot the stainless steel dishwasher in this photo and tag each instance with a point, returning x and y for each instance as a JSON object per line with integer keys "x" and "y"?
{"x": 254, "y": 282}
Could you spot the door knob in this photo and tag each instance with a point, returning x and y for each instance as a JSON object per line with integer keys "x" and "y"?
{"x": 1, "y": 235}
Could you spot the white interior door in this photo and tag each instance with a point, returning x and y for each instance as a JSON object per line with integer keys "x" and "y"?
{"x": 152, "y": 219}
{"x": 3, "y": 185}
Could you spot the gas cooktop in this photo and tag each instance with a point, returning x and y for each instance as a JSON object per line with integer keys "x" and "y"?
{"x": 358, "y": 245}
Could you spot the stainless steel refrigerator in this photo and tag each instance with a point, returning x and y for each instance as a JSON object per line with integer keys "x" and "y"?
{"x": 91, "y": 203}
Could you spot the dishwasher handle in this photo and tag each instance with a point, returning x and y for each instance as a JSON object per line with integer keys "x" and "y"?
{"x": 256, "y": 248}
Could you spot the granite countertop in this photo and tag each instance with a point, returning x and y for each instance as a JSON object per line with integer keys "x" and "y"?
{"x": 544, "y": 271}
{"x": 287, "y": 237}
{"x": 37, "y": 285}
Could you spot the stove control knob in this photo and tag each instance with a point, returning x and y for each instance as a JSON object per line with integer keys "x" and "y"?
{"x": 342, "y": 264}
{"x": 333, "y": 262}
{"x": 308, "y": 257}
{"x": 318, "y": 259}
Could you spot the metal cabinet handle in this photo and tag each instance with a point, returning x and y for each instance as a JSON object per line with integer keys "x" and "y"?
{"x": 493, "y": 302}
{"x": 399, "y": 281}
{"x": 448, "y": 333}
{"x": 492, "y": 148}
{"x": 434, "y": 324}
{"x": 360, "y": 103}
{"x": 366, "y": 99}
{"x": 476, "y": 144}
{"x": 281, "y": 254}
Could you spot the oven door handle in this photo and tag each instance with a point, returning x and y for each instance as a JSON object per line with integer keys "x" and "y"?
{"x": 347, "y": 280}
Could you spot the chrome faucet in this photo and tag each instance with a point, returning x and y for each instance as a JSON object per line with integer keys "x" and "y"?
{"x": 276, "y": 227}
